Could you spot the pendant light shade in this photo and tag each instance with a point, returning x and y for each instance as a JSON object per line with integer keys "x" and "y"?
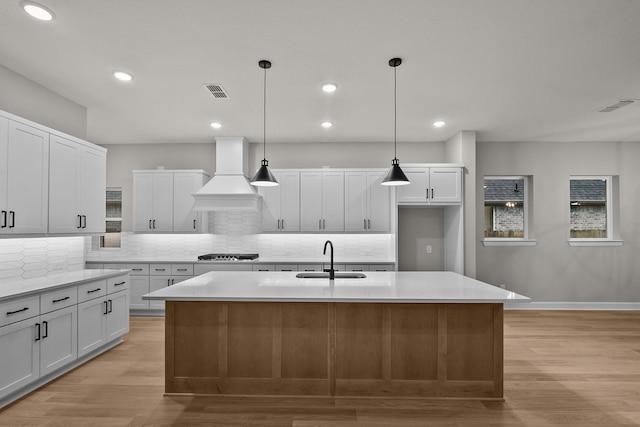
{"x": 264, "y": 177}
{"x": 395, "y": 176}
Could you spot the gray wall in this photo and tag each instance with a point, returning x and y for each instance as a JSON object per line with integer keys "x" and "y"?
{"x": 552, "y": 270}
{"x": 28, "y": 99}
{"x": 122, "y": 159}
{"x": 417, "y": 228}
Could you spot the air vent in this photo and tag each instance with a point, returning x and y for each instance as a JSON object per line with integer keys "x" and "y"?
{"x": 217, "y": 91}
{"x": 615, "y": 106}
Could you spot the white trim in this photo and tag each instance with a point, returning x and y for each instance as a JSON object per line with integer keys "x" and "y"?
{"x": 553, "y": 305}
{"x": 583, "y": 242}
{"x": 608, "y": 179}
{"x": 510, "y": 242}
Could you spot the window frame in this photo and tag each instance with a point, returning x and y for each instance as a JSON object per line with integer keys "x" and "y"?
{"x": 610, "y": 231}
{"x": 526, "y": 240}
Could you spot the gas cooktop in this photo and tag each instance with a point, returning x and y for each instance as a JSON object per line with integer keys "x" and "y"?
{"x": 227, "y": 257}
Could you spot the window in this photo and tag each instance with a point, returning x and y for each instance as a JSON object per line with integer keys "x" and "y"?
{"x": 590, "y": 207}
{"x": 506, "y": 210}
{"x": 111, "y": 238}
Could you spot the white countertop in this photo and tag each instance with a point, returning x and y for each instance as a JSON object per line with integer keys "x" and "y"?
{"x": 407, "y": 287}
{"x": 265, "y": 260}
{"x": 23, "y": 287}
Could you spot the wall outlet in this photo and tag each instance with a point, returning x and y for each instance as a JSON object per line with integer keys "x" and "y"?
{"x": 429, "y": 249}
{"x": 58, "y": 266}
{"x": 502, "y": 286}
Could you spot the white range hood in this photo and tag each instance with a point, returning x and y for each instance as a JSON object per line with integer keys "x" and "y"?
{"x": 229, "y": 189}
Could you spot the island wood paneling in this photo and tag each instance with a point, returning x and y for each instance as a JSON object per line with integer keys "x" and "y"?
{"x": 334, "y": 349}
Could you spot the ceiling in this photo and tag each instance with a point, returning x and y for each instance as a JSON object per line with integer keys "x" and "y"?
{"x": 512, "y": 70}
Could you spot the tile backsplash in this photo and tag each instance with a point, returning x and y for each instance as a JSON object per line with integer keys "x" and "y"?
{"x": 35, "y": 257}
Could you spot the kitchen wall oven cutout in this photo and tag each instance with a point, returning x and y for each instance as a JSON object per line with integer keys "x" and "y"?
{"x": 593, "y": 210}
{"x": 111, "y": 238}
{"x": 507, "y": 213}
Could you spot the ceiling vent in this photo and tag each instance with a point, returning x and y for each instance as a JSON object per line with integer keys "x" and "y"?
{"x": 616, "y": 105}
{"x": 217, "y": 91}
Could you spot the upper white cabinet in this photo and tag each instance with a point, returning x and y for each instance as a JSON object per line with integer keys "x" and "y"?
{"x": 322, "y": 201}
{"x": 77, "y": 183}
{"x": 162, "y": 201}
{"x": 366, "y": 201}
{"x": 24, "y": 177}
{"x": 431, "y": 185}
{"x": 281, "y": 203}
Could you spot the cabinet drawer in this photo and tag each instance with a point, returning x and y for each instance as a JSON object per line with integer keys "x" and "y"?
{"x": 264, "y": 267}
{"x": 19, "y": 309}
{"x": 92, "y": 290}
{"x": 61, "y": 298}
{"x": 182, "y": 269}
{"x": 309, "y": 267}
{"x": 357, "y": 267}
{"x": 138, "y": 269}
{"x": 119, "y": 283}
{"x": 160, "y": 269}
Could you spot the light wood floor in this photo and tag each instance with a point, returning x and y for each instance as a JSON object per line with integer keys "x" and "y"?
{"x": 561, "y": 369}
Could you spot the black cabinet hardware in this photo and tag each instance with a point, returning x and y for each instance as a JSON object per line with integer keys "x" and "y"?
{"x": 12, "y": 215}
{"x": 149, "y": 224}
{"x": 38, "y": 332}
{"x": 118, "y": 284}
{"x": 79, "y": 221}
{"x": 60, "y": 300}
{"x": 110, "y": 306}
{"x": 95, "y": 290}
{"x": 106, "y": 308}
{"x": 9, "y": 313}
{"x": 194, "y": 224}
{"x": 4, "y": 219}
{"x": 154, "y": 224}
{"x": 46, "y": 329}
{"x": 84, "y": 217}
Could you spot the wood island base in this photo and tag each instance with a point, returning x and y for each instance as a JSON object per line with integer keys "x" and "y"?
{"x": 441, "y": 350}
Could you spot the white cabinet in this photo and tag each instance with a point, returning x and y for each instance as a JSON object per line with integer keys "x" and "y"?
{"x": 20, "y": 355}
{"x": 431, "y": 185}
{"x": 322, "y": 201}
{"x": 77, "y": 183}
{"x": 24, "y": 178}
{"x": 162, "y": 201}
{"x": 367, "y": 202}
{"x": 281, "y": 203}
{"x": 101, "y": 320}
{"x": 58, "y": 344}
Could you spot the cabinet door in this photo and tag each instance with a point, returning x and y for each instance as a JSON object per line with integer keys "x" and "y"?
{"x": 92, "y": 189}
{"x": 162, "y": 202}
{"x": 138, "y": 285}
{"x": 64, "y": 177}
{"x": 271, "y": 203}
{"x": 446, "y": 185}
{"x": 416, "y": 191}
{"x": 59, "y": 343}
{"x": 310, "y": 201}
{"x": 4, "y": 136}
{"x": 118, "y": 314}
{"x": 378, "y": 203}
{"x": 27, "y": 179}
{"x": 155, "y": 283}
{"x": 289, "y": 201}
{"x": 333, "y": 201}
{"x": 20, "y": 355}
{"x": 185, "y": 219}
{"x": 142, "y": 202}
{"x": 355, "y": 197}
{"x": 92, "y": 325}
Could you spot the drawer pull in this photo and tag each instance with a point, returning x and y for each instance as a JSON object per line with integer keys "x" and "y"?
{"x": 160, "y": 269}
{"x": 136, "y": 269}
{"x": 9, "y": 313}
{"x": 182, "y": 269}
{"x": 95, "y": 290}
{"x": 59, "y": 300}
{"x": 118, "y": 284}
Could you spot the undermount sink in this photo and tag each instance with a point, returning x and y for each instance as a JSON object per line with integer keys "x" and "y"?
{"x": 338, "y": 275}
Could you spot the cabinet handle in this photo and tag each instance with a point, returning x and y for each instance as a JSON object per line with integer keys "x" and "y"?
{"x": 136, "y": 269}
{"x": 282, "y": 222}
{"x": 4, "y": 219}
{"x": 369, "y": 224}
{"x": 46, "y": 329}
{"x": 9, "y": 313}
{"x": 168, "y": 282}
{"x": 432, "y": 193}
{"x": 427, "y": 193}
{"x": 173, "y": 281}
{"x": 79, "y": 221}
{"x": 365, "y": 223}
{"x": 160, "y": 269}
{"x": 110, "y": 306}
{"x": 106, "y": 308}
{"x": 149, "y": 224}
{"x": 182, "y": 269}
{"x": 320, "y": 224}
{"x": 38, "y": 333}
{"x": 154, "y": 224}
{"x": 94, "y": 290}
{"x": 60, "y": 300}
{"x": 194, "y": 224}
{"x": 85, "y": 221}
{"x": 12, "y": 214}
{"x": 278, "y": 224}
{"x": 118, "y": 284}
{"x": 324, "y": 224}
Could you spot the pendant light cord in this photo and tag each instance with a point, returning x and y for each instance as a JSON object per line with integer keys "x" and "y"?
{"x": 395, "y": 111}
{"x": 264, "y": 116}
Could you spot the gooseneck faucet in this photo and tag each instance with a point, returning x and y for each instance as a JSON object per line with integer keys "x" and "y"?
{"x": 332, "y": 273}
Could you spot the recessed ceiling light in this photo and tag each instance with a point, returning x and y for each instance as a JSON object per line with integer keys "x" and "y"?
{"x": 439, "y": 123}
{"x": 216, "y": 125}
{"x": 326, "y": 125}
{"x": 329, "y": 87}
{"x": 121, "y": 75}
{"x": 38, "y": 11}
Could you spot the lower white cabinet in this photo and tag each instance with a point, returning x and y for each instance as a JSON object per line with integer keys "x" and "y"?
{"x": 20, "y": 355}
{"x": 100, "y": 320}
{"x": 58, "y": 339}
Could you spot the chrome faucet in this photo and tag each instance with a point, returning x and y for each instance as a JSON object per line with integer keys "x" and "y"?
{"x": 332, "y": 273}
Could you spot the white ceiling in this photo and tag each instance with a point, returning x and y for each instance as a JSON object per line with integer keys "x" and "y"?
{"x": 512, "y": 70}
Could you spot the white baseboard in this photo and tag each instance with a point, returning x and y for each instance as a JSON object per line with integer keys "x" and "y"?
{"x": 553, "y": 305}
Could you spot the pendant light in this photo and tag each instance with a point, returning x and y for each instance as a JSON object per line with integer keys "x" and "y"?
{"x": 395, "y": 176}
{"x": 264, "y": 177}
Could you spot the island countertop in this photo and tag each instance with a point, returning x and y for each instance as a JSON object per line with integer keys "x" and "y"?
{"x": 382, "y": 287}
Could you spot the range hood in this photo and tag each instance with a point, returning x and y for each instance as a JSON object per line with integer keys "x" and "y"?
{"x": 229, "y": 189}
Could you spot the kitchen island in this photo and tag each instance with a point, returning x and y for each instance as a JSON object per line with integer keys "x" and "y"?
{"x": 410, "y": 334}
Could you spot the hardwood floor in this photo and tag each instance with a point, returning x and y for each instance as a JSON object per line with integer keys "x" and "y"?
{"x": 562, "y": 368}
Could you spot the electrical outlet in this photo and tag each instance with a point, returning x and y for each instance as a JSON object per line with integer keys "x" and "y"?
{"x": 58, "y": 266}
{"x": 429, "y": 249}
{"x": 502, "y": 286}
